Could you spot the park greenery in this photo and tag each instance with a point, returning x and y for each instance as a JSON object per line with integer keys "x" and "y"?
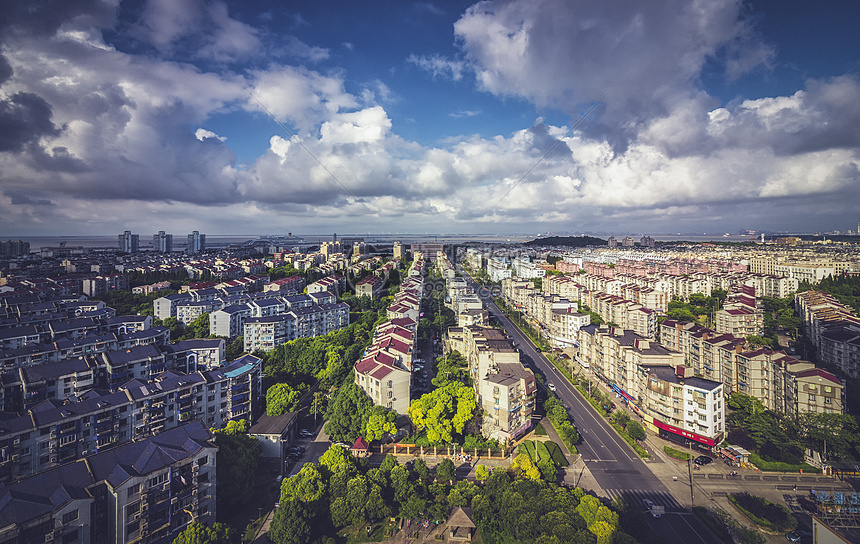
{"x": 128, "y": 303}
{"x": 200, "y": 533}
{"x": 761, "y": 511}
{"x": 341, "y": 495}
{"x": 779, "y": 440}
{"x": 238, "y": 456}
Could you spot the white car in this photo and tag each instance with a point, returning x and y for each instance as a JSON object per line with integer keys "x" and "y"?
{"x": 655, "y": 510}
{"x": 551, "y": 386}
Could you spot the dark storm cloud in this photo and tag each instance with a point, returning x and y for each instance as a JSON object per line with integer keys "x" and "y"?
{"x": 24, "y": 118}
{"x": 20, "y": 198}
{"x": 44, "y": 17}
{"x": 5, "y": 70}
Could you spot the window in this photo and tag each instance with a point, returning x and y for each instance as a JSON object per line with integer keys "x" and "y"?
{"x": 390, "y": 383}
{"x": 69, "y": 517}
{"x": 133, "y": 490}
{"x": 811, "y": 397}
{"x": 827, "y": 400}
{"x": 203, "y": 460}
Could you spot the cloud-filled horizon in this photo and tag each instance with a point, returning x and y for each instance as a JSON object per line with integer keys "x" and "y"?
{"x": 445, "y": 117}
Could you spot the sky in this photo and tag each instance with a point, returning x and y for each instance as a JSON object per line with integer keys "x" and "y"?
{"x": 391, "y": 116}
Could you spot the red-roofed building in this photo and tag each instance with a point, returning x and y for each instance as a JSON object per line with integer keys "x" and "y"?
{"x": 360, "y": 447}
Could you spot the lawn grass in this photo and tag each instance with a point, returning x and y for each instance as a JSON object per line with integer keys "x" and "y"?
{"x": 677, "y": 454}
{"x": 539, "y": 430}
{"x": 555, "y": 453}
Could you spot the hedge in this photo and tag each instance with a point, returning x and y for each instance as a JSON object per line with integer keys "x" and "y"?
{"x": 763, "y": 512}
{"x": 541, "y": 452}
{"x": 776, "y": 466}
{"x": 677, "y": 454}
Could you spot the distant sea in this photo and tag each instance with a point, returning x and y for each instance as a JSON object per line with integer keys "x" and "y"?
{"x": 100, "y": 242}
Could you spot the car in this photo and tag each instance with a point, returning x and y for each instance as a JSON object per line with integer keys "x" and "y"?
{"x": 305, "y": 432}
{"x": 653, "y": 509}
{"x": 703, "y": 460}
{"x": 551, "y": 386}
{"x": 797, "y": 536}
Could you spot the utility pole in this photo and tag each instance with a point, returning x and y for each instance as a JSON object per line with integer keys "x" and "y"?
{"x": 690, "y": 474}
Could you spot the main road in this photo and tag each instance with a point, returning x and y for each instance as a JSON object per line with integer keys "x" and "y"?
{"x": 618, "y": 471}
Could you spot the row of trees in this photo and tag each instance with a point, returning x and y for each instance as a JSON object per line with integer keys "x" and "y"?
{"x": 783, "y": 438}
{"x": 699, "y": 309}
{"x": 509, "y": 506}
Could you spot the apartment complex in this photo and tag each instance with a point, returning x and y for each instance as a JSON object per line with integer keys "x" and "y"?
{"x": 143, "y": 491}
{"x": 385, "y": 370}
{"x": 656, "y": 383}
{"x": 833, "y": 328}
{"x": 64, "y": 427}
{"x": 505, "y": 388}
{"x": 783, "y": 383}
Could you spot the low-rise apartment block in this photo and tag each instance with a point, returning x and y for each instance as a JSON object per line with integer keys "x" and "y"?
{"x": 145, "y": 491}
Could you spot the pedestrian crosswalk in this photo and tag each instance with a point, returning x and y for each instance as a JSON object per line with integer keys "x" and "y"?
{"x": 636, "y": 496}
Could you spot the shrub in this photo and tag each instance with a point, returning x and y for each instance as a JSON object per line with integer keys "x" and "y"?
{"x": 776, "y": 466}
{"x": 677, "y": 454}
{"x": 763, "y": 512}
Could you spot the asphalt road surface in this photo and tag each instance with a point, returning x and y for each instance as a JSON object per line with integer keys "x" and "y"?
{"x": 612, "y": 463}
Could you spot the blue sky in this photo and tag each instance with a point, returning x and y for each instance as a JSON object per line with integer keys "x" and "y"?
{"x": 426, "y": 116}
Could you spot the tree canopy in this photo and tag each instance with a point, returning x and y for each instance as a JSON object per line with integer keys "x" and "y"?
{"x": 238, "y": 455}
{"x": 200, "y": 533}
{"x": 444, "y": 411}
{"x": 280, "y": 399}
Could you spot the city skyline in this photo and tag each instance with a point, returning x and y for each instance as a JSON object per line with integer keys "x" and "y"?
{"x": 438, "y": 117}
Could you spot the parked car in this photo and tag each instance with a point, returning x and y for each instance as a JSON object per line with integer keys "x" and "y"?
{"x": 703, "y": 460}
{"x": 551, "y": 386}
{"x": 797, "y": 536}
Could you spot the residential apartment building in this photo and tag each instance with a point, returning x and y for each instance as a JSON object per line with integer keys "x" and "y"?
{"x": 65, "y": 426}
{"x": 162, "y": 243}
{"x": 833, "y": 328}
{"x": 780, "y": 381}
{"x": 654, "y": 381}
{"x": 525, "y": 269}
{"x": 384, "y": 372}
{"x": 144, "y": 491}
{"x": 505, "y": 388}
{"x": 497, "y": 270}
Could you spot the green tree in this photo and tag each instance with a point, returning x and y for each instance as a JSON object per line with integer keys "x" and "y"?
{"x": 238, "y": 455}
{"x": 444, "y": 411}
{"x": 482, "y": 473}
{"x": 446, "y": 471}
{"x": 234, "y": 349}
{"x": 308, "y": 486}
{"x": 347, "y": 412}
{"x": 635, "y": 430}
{"x": 200, "y": 533}
{"x": 280, "y": 399}
{"x": 336, "y": 458}
{"x": 523, "y": 467}
{"x": 290, "y": 524}
{"x": 379, "y": 422}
